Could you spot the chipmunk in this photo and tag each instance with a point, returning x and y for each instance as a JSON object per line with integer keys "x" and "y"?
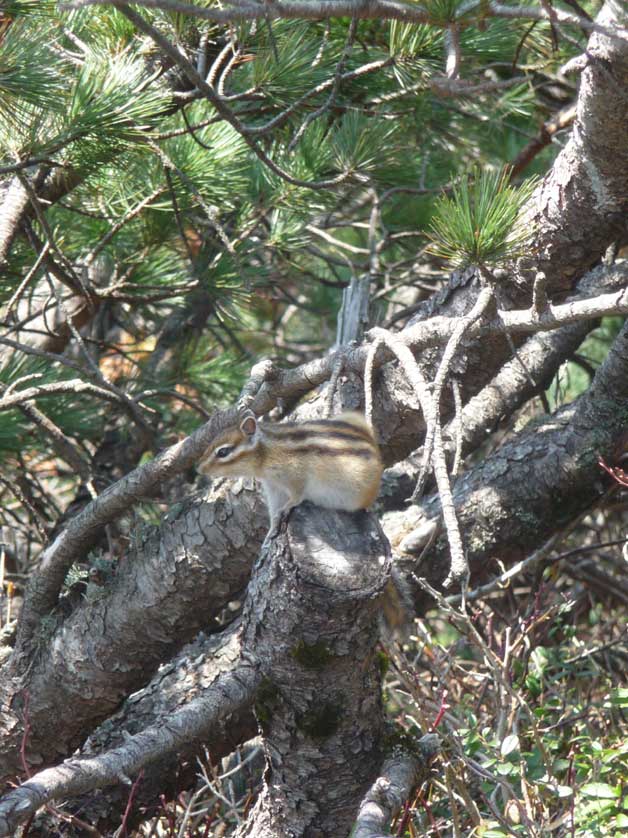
{"x": 334, "y": 463}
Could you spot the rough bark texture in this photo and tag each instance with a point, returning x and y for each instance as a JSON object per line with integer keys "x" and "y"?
{"x": 306, "y": 643}
{"x": 192, "y": 723}
{"x": 173, "y": 582}
{"x": 581, "y": 204}
{"x": 186, "y": 677}
{"x": 312, "y": 617}
{"x": 400, "y": 774}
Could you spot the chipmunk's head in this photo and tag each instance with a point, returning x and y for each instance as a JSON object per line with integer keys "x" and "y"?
{"x": 235, "y": 452}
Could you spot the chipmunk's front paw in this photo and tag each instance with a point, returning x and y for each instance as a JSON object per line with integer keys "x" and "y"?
{"x": 278, "y": 523}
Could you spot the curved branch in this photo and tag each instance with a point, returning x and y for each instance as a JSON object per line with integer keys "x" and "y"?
{"x": 539, "y": 481}
{"x": 372, "y": 10}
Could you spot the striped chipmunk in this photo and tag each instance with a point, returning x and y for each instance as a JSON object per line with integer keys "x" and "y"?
{"x": 334, "y": 463}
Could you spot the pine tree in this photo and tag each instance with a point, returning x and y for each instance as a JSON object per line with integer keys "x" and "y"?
{"x": 188, "y": 191}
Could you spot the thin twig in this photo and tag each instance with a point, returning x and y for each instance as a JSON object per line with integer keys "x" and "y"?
{"x": 24, "y": 283}
{"x": 334, "y": 89}
{"x": 455, "y": 389}
{"x": 485, "y": 297}
{"x": 459, "y": 570}
{"x": 115, "y": 228}
{"x": 452, "y": 50}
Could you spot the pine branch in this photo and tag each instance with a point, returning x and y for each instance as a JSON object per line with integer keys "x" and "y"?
{"x": 374, "y": 10}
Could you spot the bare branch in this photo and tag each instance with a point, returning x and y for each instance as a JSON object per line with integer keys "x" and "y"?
{"x": 24, "y": 283}
{"x": 558, "y": 16}
{"x": 459, "y": 569}
{"x": 74, "y": 385}
{"x": 452, "y": 50}
{"x": 485, "y": 297}
{"x": 374, "y": 10}
{"x": 289, "y": 9}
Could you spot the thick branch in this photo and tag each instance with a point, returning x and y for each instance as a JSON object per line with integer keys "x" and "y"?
{"x": 171, "y": 583}
{"x": 185, "y": 678}
{"x": 320, "y": 707}
{"x": 399, "y": 776}
{"x": 580, "y": 206}
{"x": 191, "y": 723}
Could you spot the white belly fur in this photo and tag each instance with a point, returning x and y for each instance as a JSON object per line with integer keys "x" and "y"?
{"x": 334, "y": 495}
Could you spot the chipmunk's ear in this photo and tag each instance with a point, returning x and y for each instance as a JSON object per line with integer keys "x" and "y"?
{"x": 248, "y": 425}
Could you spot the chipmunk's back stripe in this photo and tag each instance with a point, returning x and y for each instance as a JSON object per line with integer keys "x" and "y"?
{"x": 297, "y": 431}
{"x": 301, "y": 433}
{"x": 363, "y": 453}
{"x": 357, "y": 428}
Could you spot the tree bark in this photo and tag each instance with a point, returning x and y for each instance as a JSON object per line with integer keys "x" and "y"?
{"x": 312, "y": 616}
{"x": 307, "y": 645}
{"x": 171, "y": 584}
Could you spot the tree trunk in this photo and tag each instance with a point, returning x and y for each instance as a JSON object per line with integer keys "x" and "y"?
{"x": 312, "y": 618}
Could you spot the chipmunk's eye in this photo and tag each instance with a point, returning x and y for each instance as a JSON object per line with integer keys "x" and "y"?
{"x": 224, "y": 451}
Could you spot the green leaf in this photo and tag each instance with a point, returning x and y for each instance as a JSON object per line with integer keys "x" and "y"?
{"x": 442, "y": 12}
{"x": 619, "y": 697}
{"x": 510, "y": 744}
{"x": 359, "y": 143}
{"x": 111, "y": 100}
{"x": 30, "y": 74}
{"x": 601, "y": 791}
{"x": 481, "y": 222}
{"x": 35, "y": 8}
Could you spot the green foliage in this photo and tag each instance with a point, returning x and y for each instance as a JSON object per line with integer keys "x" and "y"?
{"x": 283, "y": 65}
{"x": 99, "y": 110}
{"x": 417, "y": 50}
{"x": 218, "y": 168}
{"x": 109, "y": 106}
{"x": 73, "y": 414}
{"x": 358, "y": 144}
{"x": 558, "y": 755}
{"x": 17, "y": 8}
{"x": 29, "y": 77}
{"x": 442, "y": 12}
{"x": 480, "y": 223}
